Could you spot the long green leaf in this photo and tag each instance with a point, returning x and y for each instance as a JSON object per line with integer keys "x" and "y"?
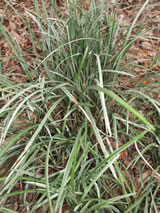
{"x": 125, "y": 146}
{"x": 47, "y": 178}
{"x": 16, "y": 138}
{"x": 124, "y": 104}
{"x": 67, "y": 170}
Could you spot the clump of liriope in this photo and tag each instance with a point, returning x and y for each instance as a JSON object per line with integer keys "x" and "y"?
{"x": 69, "y": 114}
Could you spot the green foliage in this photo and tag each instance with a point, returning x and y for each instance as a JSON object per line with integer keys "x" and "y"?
{"x": 68, "y": 115}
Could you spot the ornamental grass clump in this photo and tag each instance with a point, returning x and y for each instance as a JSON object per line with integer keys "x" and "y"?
{"x": 66, "y": 126}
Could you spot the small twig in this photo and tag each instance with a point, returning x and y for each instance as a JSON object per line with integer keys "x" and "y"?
{"x": 157, "y": 175}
